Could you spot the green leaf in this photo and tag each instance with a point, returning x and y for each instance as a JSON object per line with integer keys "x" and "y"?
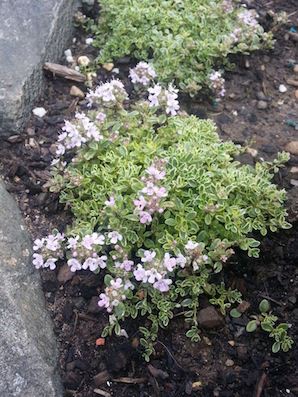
{"x": 264, "y": 306}
{"x": 276, "y": 347}
{"x": 170, "y": 222}
{"x": 119, "y": 310}
{"x": 107, "y": 280}
{"x": 235, "y": 313}
{"x": 251, "y": 326}
{"x": 266, "y": 327}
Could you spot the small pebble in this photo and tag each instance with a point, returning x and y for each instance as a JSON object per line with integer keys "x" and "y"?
{"x": 89, "y": 40}
{"x": 39, "y": 112}
{"x": 282, "y": 88}
{"x": 292, "y": 147}
{"x": 295, "y": 69}
{"x": 83, "y": 60}
{"x": 253, "y": 152}
{"x": 261, "y": 96}
{"x": 108, "y": 66}
{"x": 229, "y": 363}
{"x": 262, "y": 105}
{"x": 68, "y": 56}
{"x": 231, "y": 343}
{"x": 294, "y": 170}
{"x": 294, "y": 182}
{"x": 76, "y": 92}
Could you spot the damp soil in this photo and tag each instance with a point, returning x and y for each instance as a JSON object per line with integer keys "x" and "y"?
{"x": 228, "y": 362}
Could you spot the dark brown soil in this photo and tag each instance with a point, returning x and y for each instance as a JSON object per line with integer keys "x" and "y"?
{"x": 187, "y": 369}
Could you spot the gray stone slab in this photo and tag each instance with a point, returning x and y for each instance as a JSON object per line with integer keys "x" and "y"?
{"x": 31, "y": 32}
{"x": 28, "y": 353}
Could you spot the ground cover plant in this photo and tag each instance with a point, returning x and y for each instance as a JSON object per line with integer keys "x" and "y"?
{"x": 187, "y": 40}
{"x": 159, "y": 204}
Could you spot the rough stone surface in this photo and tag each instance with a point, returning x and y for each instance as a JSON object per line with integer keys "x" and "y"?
{"x": 31, "y": 32}
{"x": 28, "y": 356}
{"x": 210, "y": 318}
{"x": 292, "y": 147}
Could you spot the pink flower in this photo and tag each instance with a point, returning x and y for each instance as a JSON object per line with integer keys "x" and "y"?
{"x": 115, "y": 237}
{"x": 74, "y": 264}
{"x": 163, "y": 285}
{"x": 51, "y": 263}
{"x": 148, "y": 256}
{"x": 191, "y": 245}
{"x": 169, "y": 263}
{"x": 157, "y": 174}
{"x": 110, "y": 202}
{"x": 140, "y": 203}
{"x": 38, "y": 261}
{"x": 145, "y": 217}
{"x": 72, "y": 242}
{"x": 104, "y": 301}
{"x": 140, "y": 274}
{"x": 38, "y": 244}
{"x": 181, "y": 260}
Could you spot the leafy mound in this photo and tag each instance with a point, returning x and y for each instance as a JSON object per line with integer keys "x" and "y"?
{"x": 158, "y": 202}
{"x": 186, "y": 39}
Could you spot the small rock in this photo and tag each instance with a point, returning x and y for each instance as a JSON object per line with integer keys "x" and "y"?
{"x": 296, "y": 94}
{"x": 231, "y": 343}
{"x": 229, "y": 363}
{"x": 282, "y": 88}
{"x": 65, "y": 274}
{"x": 242, "y": 352}
{"x": 295, "y": 69}
{"x": 294, "y": 170}
{"x": 292, "y": 299}
{"x": 197, "y": 385}
{"x": 68, "y": 56}
{"x": 157, "y": 373}
{"x": 292, "y": 82}
{"x": 108, "y": 66}
{"x": 261, "y": 96}
{"x": 292, "y": 147}
{"x": 294, "y": 182}
{"x": 39, "y": 112}
{"x": 77, "y": 92}
{"x": 262, "y": 105}
{"x": 101, "y": 378}
{"x": 93, "y": 305}
{"x": 83, "y": 60}
{"x": 253, "y": 152}
{"x": 89, "y": 40}
{"x": 210, "y": 318}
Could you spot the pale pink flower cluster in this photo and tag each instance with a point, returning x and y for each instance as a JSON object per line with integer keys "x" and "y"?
{"x": 236, "y": 34}
{"x": 84, "y": 252}
{"x": 108, "y": 94}
{"x": 142, "y": 74}
{"x": 227, "y": 6}
{"x": 114, "y": 294}
{"x": 195, "y": 254}
{"x": 150, "y": 198}
{"x": 165, "y": 98}
{"x": 217, "y": 83}
{"x": 155, "y": 271}
{"x": 75, "y": 135}
{"x": 49, "y": 251}
{"x": 249, "y": 18}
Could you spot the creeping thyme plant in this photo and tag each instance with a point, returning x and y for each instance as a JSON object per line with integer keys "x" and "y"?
{"x": 159, "y": 204}
{"x": 267, "y": 321}
{"x": 186, "y": 39}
